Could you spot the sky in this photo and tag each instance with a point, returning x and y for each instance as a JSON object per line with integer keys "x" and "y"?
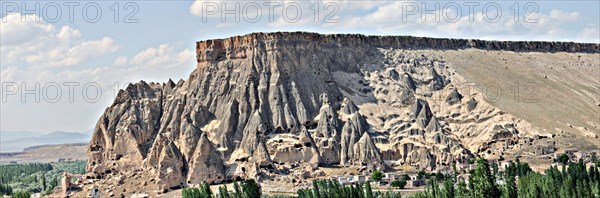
{"x": 62, "y": 62}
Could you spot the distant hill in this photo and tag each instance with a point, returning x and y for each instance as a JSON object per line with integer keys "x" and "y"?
{"x": 46, "y": 154}
{"x": 11, "y": 135}
{"x": 17, "y": 141}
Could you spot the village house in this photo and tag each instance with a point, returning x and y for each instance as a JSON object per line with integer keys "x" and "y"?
{"x": 392, "y": 177}
{"x": 446, "y": 170}
{"x": 544, "y": 149}
{"x": 570, "y": 153}
{"x": 360, "y": 179}
{"x": 505, "y": 163}
{"x": 343, "y": 180}
{"x": 465, "y": 167}
{"x": 415, "y": 181}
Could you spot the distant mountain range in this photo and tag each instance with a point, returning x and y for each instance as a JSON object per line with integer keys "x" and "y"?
{"x": 16, "y": 141}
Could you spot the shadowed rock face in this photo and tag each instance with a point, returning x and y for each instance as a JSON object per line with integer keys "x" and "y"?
{"x": 263, "y": 99}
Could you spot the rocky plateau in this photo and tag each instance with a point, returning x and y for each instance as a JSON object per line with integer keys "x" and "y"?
{"x": 261, "y": 104}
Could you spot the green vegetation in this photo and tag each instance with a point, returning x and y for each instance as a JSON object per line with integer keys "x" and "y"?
{"x": 405, "y": 177}
{"x": 21, "y": 194}
{"x": 245, "y": 189}
{"x": 563, "y": 159}
{"x": 11, "y": 172}
{"x": 595, "y": 159}
{"x": 574, "y": 181}
{"x": 422, "y": 174}
{"x": 400, "y": 184}
{"x": 333, "y": 189}
{"x": 18, "y": 179}
{"x": 471, "y": 161}
{"x": 377, "y": 175}
{"x": 484, "y": 182}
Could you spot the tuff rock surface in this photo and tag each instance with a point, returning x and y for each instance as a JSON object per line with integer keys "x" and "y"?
{"x": 258, "y": 101}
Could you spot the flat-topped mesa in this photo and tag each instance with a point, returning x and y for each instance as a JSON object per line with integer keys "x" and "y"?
{"x": 236, "y": 47}
{"x": 265, "y": 102}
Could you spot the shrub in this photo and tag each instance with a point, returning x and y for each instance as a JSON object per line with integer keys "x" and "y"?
{"x": 400, "y": 184}
{"x": 377, "y": 175}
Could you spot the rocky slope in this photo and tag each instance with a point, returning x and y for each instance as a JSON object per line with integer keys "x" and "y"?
{"x": 259, "y": 102}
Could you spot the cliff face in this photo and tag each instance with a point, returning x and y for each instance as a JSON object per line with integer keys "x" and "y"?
{"x": 236, "y": 47}
{"x": 259, "y": 101}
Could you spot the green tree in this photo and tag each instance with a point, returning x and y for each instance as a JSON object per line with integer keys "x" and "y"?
{"x": 454, "y": 170}
{"x": 422, "y": 174}
{"x": 405, "y": 177}
{"x": 461, "y": 189}
{"x": 368, "y": 190}
{"x": 315, "y": 190}
{"x": 484, "y": 183}
{"x": 448, "y": 190}
{"x": 251, "y": 188}
{"x": 43, "y": 182}
{"x": 439, "y": 176}
{"x": 433, "y": 186}
{"x": 400, "y": 184}
{"x": 5, "y": 189}
{"x": 205, "y": 190}
{"x": 21, "y": 194}
{"x": 471, "y": 161}
{"x": 563, "y": 159}
{"x": 377, "y": 175}
{"x": 223, "y": 193}
{"x": 495, "y": 169}
{"x": 509, "y": 188}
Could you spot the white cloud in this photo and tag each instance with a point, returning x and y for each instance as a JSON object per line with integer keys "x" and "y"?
{"x": 590, "y": 33}
{"x": 149, "y": 64}
{"x": 45, "y": 45}
{"x": 562, "y": 15}
{"x": 271, "y": 13}
{"x": 9, "y": 74}
{"x": 120, "y": 61}
{"x": 155, "y": 64}
{"x": 389, "y": 19}
{"x": 197, "y": 8}
{"x": 15, "y": 32}
{"x": 163, "y": 56}
{"x": 67, "y": 32}
{"x": 46, "y": 53}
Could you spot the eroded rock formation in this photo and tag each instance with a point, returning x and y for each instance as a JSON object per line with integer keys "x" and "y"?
{"x": 261, "y": 100}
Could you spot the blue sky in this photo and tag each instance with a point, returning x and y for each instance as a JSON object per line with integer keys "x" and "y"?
{"x": 160, "y": 45}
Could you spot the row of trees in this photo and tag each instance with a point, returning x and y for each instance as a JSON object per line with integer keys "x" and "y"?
{"x": 35, "y": 177}
{"x": 333, "y": 189}
{"x": 5, "y": 189}
{"x": 485, "y": 181}
{"x": 518, "y": 180}
{"x": 244, "y": 189}
{"x": 571, "y": 181}
{"x": 401, "y": 183}
{"x": 320, "y": 189}
{"x": 21, "y": 194}
{"x": 36, "y": 182}
{"x": 11, "y": 172}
